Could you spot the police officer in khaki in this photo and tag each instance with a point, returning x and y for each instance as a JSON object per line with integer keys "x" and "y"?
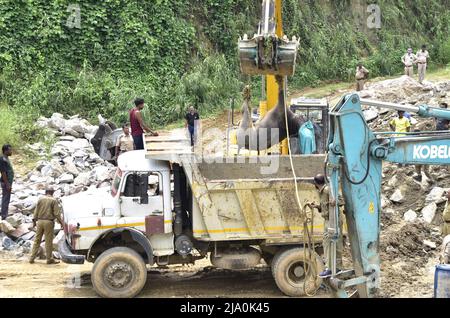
{"x": 408, "y": 60}
{"x": 422, "y": 61}
{"x": 46, "y": 212}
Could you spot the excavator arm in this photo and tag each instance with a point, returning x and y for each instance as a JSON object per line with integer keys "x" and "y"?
{"x": 355, "y": 156}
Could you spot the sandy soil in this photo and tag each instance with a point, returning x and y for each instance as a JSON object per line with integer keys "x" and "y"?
{"x": 18, "y": 278}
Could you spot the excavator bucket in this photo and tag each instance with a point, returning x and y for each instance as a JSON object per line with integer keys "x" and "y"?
{"x": 268, "y": 55}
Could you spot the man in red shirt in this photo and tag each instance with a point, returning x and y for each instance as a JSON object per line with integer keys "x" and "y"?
{"x": 137, "y": 124}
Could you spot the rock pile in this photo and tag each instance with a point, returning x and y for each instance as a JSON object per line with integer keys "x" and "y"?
{"x": 71, "y": 166}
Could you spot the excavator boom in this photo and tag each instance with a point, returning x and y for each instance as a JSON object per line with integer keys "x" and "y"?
{"x": 355, "y": 156}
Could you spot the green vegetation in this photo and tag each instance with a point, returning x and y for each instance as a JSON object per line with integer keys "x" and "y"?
{"x": 175, "y": 53}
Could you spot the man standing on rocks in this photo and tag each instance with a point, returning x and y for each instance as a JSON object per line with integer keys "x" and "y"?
{"x": 400, "y": 124}
{"x": 45, "y": 213}
{"x": 191, "y": 117}
{"x": 137, "y": 124}
{"x": 361, "y": 76}
{"x": 422, "y": 60}
{"x": 7, "y": 179}
{"x": 408, "y": 60}
{"x": 124, "y": 142}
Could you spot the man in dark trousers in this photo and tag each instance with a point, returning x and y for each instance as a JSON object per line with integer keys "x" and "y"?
{"x": 46, "y": 212}
{"x": 7, "y": 178}
{"x": 191, "y": 117}
{"x": 137, "y": 124}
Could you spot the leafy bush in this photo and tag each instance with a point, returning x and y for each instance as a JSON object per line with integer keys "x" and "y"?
{"x": 179, "y": 52}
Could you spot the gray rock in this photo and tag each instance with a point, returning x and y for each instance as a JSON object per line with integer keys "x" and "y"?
{"x": 430, "y": 244}
{"x": 66, "y": 178}
{"x": 5, "y": 227}
{"x": 410, "y": 216}
{"x": 70, "y": 167}
{"x": 370, "y": 114}
{"x": 397, "y": 197}
{"x": 9, "y": 244}
{"x": 101, "y": 173}
{"x": 57, "y": 121}
{"x": 67, "y": 138}
{"x": 436, "y": 195}
{"x": 393, "y": 181}
{"x": 82, "y": 179}
{"x": 429, "y": 212}
{"x": 15, "y": 220}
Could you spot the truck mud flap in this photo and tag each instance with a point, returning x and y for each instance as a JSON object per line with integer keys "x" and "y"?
{"x": 67, "y": 256}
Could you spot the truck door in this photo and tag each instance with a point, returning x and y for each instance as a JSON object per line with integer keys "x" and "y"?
{"x": 141, "y": 196}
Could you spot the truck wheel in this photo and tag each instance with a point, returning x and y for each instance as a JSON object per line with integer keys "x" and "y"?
{"x": 292, "y": 275}
{"x": 119, "y": 272}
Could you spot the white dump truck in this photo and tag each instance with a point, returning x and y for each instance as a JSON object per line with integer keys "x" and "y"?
{"x": 165, "y": 206}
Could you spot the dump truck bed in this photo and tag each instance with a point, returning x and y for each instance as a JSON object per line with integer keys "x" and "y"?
{"x": 240, "y": 198}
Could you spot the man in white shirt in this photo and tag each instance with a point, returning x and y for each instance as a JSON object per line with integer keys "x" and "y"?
{"x": 408, "y": 60}
{"x": 422, "y": 60}
{"x": 124, "y": 141}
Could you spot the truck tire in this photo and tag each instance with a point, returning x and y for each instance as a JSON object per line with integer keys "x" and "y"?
{"x": 119, "y": 272}
{"x": 289, "y": 272}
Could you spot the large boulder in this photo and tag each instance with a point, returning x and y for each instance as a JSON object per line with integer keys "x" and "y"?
{"x": 429, "y": 212}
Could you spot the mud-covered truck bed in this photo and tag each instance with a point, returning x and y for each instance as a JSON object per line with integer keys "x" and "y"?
{"x": 244, "y": 198}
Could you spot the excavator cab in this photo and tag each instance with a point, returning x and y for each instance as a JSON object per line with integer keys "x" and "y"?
{"x": 267, "y": 53}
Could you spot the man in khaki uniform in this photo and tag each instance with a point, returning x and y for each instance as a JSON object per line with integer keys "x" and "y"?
{"x": 361, "y": 76}
{"x": 125, "y": 141}
{"x": 45, "y": 213}
{"x": 408, "y": 60}
{"x": 324, "y": 208}
{"x": 422, "y": 60}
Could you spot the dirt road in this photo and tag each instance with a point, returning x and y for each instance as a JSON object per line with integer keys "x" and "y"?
{"x": 21, "y": 279}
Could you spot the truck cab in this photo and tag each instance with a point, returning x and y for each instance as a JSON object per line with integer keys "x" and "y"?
{"x": 140, "y": 190}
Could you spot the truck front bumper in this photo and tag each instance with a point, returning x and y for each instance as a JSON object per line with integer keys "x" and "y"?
{"x": 67, "y": 256}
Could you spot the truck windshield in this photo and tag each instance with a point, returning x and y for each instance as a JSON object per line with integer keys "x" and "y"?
{"x": 116, "y": 182}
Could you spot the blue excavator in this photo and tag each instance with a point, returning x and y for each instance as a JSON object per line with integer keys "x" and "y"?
{"x": 355, "y": 155}
{"x": 354, "y": 164}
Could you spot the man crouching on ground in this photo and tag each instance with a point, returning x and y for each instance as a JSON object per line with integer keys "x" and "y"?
{"x": 45, "y": 213}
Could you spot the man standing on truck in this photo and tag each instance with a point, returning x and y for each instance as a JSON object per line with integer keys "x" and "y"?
{"x": 7, "y": 178}
{"x": 327, "y": 204}
{"x": 124, "y": 142}
{"x": 137, "y": 124}
{"x": 46, "y": 212}
{"x": 191, "y": 117}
